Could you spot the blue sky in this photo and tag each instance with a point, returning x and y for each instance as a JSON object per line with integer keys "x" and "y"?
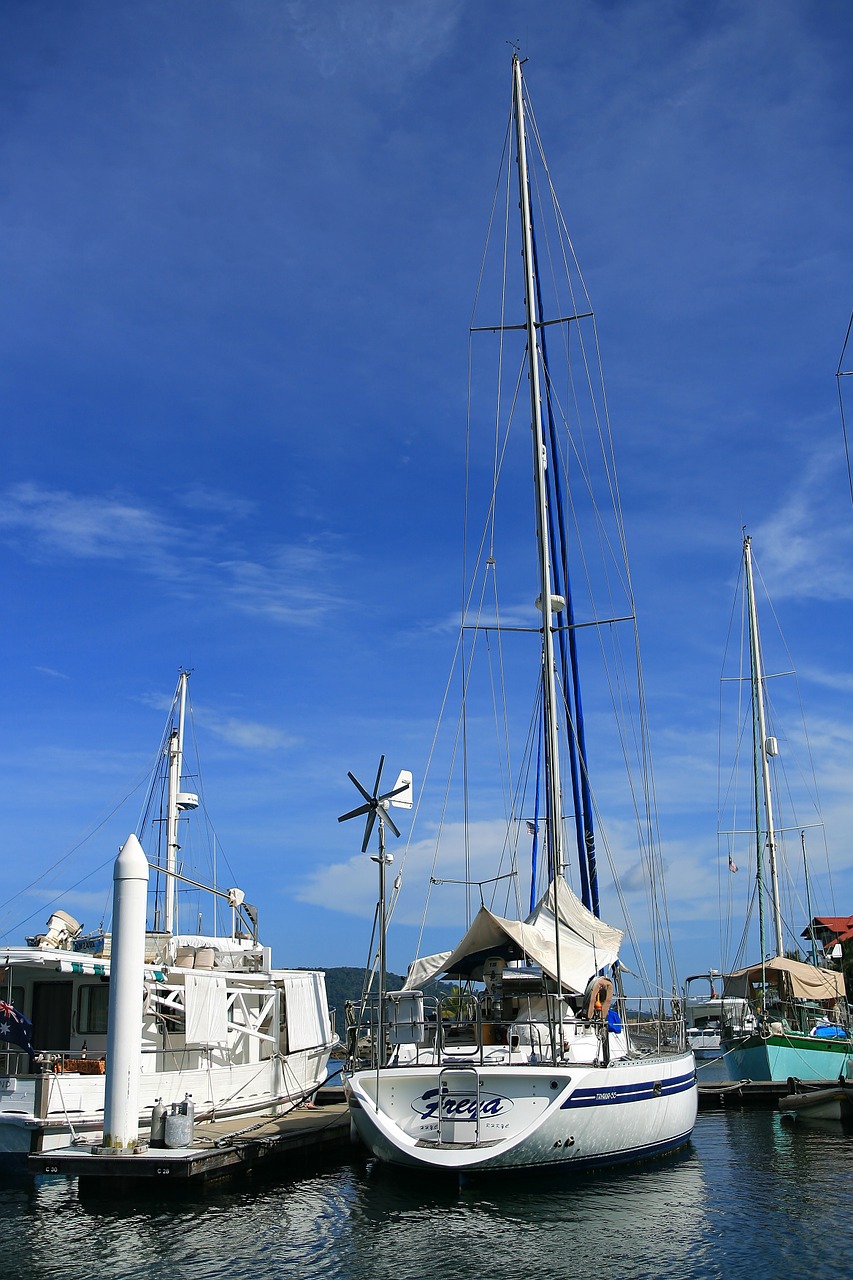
{"x": 239, "y": 249}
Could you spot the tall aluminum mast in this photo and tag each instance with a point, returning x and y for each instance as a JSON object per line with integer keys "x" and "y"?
{"x": 764, "y": 745}
{"x": 549, "y": 602}
{"x": 176, "y": 760}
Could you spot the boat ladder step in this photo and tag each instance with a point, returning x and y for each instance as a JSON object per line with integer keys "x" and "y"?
{"x": 455, "y": 1146}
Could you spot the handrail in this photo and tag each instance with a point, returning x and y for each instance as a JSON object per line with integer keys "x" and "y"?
{"x": 444, "y": 1092}
{"x": 447, "y": 1029}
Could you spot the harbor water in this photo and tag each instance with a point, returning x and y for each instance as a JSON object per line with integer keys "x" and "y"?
{"x": 752, "y": 1195}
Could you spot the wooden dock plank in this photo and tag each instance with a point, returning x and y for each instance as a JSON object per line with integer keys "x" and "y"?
{"x": 220, "y": 1149}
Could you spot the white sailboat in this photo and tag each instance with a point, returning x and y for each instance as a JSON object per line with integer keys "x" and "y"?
{"x": 799, "y": 1009}
{"x": 217, "y": 1020}
{"x": 706, "y": 1009}
{"x": 536, "y": 1057}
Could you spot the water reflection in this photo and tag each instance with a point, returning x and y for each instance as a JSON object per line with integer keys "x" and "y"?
{"x": 593, "y": 1223}
{"x": 747, "y": 1198}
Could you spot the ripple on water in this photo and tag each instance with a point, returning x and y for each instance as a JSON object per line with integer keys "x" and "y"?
{"x": 748, "y": 1197}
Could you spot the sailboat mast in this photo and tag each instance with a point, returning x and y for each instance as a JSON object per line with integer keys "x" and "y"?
{"x": 553, "y": 805}
{"x": 176, "y": 759}
{"x": 757, "y": 678}
{"x": 808, "y": 898}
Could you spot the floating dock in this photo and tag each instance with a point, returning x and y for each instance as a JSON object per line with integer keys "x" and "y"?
{"x": 221, "y": 1149}
{"x": 226, "y": 1149}
{"x": 741, "y": 1094}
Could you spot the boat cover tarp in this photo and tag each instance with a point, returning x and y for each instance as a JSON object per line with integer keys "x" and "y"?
{"x": 587, "y": 944}
{"x": 805, "y": 981}
{"x": 205, "y": 1006}
{"x": 305, "y": 1005}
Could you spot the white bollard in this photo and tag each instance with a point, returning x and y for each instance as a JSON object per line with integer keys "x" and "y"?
{"x": 127, "y": 967}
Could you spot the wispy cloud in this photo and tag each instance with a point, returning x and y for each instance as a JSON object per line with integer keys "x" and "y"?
{"x": 804, "y": 554}
{"x": 351, "y": 886}
{"x": 247, "y": 734}
{"x": 285, "y": 587}
{"x": 87, "y": 527}
{"x": 54, "y": 524}
{"x": 236, "y": 730}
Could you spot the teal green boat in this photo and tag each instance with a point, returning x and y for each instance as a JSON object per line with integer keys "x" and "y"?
{"x": 800, "y": 1024}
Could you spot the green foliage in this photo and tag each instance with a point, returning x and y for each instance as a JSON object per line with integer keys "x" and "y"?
{"x": 347, "y": 983}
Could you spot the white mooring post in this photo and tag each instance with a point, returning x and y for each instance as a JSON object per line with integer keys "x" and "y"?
{"x": 127, "y": 965}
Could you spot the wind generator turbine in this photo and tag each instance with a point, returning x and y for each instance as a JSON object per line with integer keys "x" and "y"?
{"x": 375, "y": 806}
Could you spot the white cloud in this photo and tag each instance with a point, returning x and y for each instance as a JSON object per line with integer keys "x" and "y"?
{"x": 290, "y": 585}
{"x": 352, "y": 886}
{"x": 237, "y": 731}
{"x": 803, "y": 553}
{"x": 246, "y": 734}
{"x": 89, "y": 527}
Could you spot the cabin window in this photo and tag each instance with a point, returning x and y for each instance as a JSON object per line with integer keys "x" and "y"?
{"x": 93, "y": 1004}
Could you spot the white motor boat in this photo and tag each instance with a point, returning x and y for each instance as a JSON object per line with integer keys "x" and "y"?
{"x": 217, "y": 1020}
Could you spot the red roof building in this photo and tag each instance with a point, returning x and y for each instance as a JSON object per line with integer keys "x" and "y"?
{"x": 830, "y": 929}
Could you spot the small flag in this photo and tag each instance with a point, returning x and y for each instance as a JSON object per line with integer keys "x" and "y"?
{"x": 732, "y": 864}
{"x": 15, "y": 1028}
{"x": 532, "y": 828}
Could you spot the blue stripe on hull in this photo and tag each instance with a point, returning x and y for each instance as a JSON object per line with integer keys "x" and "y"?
{"x": 641, "y": 1091}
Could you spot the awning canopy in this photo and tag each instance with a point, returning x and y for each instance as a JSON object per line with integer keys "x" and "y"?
{"x": 804, "y": 981}
{"x": 586, "y": 944}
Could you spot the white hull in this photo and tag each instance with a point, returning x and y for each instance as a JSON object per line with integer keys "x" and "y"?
{"x": 74, "y": 1104}
{"x": 532, "y": 1116}
{"x": 268, "y": 1042}
{"x": 705, "y": 1044}
{"x": 94, "y": 1030}
{"x": 708, "y": 1054}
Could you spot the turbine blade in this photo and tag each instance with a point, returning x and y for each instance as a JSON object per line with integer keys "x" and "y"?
{"x": 390, "y": 794}
{"x": 354, "y": 779}
{"x": 389, "y": 822}
{"x": 378, "y": 776}
{"x": 368, "y": 830}
{"x": 356, "y": 813}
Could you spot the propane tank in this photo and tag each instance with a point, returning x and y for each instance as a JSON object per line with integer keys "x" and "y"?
{"x": 158, "y": 1124}
{"x": 179, "y": 1124}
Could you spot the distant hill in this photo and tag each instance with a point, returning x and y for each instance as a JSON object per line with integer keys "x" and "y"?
{"x": 344, "y": 984}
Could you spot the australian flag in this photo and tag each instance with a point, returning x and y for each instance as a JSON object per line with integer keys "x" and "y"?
{"x": 15, "y": 1028}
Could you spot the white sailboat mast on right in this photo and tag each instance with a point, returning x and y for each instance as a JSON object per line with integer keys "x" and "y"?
{"x": 799, "y": 1025}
